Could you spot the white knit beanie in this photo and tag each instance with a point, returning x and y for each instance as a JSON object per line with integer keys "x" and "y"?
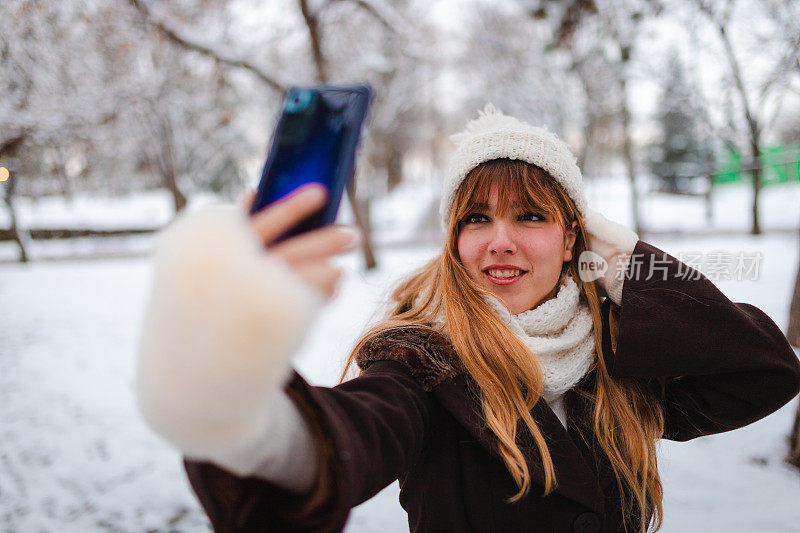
{"x": 494, "y": 135}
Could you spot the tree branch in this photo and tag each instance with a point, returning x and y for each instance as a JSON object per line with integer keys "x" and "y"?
{"x": 312, "y": 22}
{"x": 179, "y": 37}
{"x": 379, "y": 15}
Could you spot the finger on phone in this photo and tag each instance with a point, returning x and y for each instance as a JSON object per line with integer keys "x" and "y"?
{"x": 318, "y": 244}
{"x": 247, "y": 199}
{"x": 271, "y": 222}
{"x": 320, "y": 275}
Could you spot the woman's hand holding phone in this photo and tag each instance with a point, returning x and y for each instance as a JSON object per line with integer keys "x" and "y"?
{"x": 222, "y": 323}
{"x": 224, "y": 319}
{"x": 308, "y": 254}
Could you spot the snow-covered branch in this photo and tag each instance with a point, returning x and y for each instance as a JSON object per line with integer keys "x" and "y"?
{"x": 213, "y": 50}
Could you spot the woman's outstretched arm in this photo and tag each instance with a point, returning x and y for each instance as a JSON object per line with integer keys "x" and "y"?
{"x": 261, "y": 446}
{"x": 221, "y": 323}
{"x": 719, "y": 365}
{"x": 367, "y": 432}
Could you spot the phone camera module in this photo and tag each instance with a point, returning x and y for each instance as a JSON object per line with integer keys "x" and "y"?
{"x": 299, "y": 100}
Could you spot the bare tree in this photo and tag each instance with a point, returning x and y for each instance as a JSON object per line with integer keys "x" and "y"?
{"x": 110, "y": 100}
{"x": 510, "y": 67}
{"x": 785, "y": 17}
{"x": 174, "y": 31}
{"x": 184, "y": 118}
{"x": 342, "y": 39}
{"x": 372, "y": 40}
{"x": 595, "y": 74}
{"x": 751, "y": 100}
{"x": 360, "y": 212}
{"x": 42, "y": 106}
{"x": 793, "y": 335}
{"x": 754, "y": 101}
{"x": 609, "y": 31}
{"x": 46, "y": 101}
{"x": 10, "y": 147}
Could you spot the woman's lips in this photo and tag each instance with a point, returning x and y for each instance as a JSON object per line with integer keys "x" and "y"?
{"x": 504, "y": 281}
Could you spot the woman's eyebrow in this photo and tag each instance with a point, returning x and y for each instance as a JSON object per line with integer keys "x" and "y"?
{"x": 481, "y": 206}
{"x": 537, "y": 206}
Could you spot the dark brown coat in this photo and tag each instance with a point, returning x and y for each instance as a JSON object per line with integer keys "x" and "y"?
{"x": 413, "y": 415}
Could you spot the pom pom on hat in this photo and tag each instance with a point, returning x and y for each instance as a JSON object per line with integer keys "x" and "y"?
{"x": 494, "y": 135}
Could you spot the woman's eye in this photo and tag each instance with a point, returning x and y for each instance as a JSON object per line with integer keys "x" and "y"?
{"x": 530, "y": 215}
{"x": 474, "y": 218}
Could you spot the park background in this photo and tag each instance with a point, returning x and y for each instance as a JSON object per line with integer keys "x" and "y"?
{"x": 116, "y": 115}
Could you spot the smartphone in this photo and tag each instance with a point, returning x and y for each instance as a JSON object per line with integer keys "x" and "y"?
{"x": 314, "y": 141}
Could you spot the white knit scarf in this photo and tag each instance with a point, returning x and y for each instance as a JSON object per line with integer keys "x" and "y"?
{"x": 558, "y": 332}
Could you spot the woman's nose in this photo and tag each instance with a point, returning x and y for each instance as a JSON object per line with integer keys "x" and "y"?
{"x": 502, "y": 239}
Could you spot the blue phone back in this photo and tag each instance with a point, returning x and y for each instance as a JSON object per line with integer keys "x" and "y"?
{"x": 314, "y": 141}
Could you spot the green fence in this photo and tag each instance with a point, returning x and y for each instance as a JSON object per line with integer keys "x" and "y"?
{"x": 780, "y": 164}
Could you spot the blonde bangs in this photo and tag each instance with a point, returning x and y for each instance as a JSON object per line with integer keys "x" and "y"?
{"x": 520, "y": 186}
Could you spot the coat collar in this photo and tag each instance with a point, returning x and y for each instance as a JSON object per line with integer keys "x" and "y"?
{"x": 579, "y": 473}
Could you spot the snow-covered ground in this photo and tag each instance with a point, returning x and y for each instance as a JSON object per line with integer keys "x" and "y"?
{"x": 75, "y": 456}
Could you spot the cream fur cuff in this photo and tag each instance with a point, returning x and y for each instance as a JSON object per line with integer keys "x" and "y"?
{"x": 615, "y": 243}
{"x": 222, "y": 322}
{"x": 610, "y": 232}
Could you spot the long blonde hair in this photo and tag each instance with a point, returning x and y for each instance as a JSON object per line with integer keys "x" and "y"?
{"x": 627, "y": 419}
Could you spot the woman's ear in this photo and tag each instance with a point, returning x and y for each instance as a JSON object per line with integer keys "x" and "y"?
{"x": 569, "y": 240}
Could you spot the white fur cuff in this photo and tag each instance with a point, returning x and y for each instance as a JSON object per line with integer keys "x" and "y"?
{"x": 622, "y": 238}
{"x": 222, "y": 322}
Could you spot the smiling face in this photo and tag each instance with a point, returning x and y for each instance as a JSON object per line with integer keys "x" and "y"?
{"x": 513, "y": 247}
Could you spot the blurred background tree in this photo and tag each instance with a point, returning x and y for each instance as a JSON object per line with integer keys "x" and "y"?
{"x": 682, "y": 156}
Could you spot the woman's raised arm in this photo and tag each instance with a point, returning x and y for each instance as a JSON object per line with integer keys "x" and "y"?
{"x": 720, "y": 365}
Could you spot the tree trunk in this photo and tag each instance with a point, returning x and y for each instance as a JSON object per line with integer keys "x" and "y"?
{"x": 6, "y": 147}
{"x": 590, "y": 126}
{"x": 793, "y": 333}
{"x": 750, "y": 118}
{"x": 362, "y": 221}
{"x": 360, "y": 213}
{"x": 61, "y": 173}
{"x": 316, "y": 41}
{"x": 15, "y": 232}
{"x": 394, "y": 170}
{"x": 588, "y": 139}
{"x": 627, "y": 152}
{"x": 794, "y": 445}
{"x": 166, "y": 166}
{"x": 793, "y": 336}
{"x": 178, "y": 198}
{"x": 709, "y": 200}
{"x": 755, "y": 149}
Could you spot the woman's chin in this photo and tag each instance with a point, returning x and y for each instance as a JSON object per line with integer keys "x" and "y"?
{"x": 514, "y": 307}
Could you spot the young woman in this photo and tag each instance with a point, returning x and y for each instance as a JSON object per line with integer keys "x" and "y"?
{"x": 510, "y": 388}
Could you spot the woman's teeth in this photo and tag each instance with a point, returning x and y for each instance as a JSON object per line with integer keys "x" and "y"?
{"x": 505, "y": 273}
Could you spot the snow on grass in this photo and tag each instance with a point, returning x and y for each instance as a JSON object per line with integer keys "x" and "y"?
{"x": 146, "y": 209}
{"x": 75, "y": 455}
{"x": 731, "y": 207}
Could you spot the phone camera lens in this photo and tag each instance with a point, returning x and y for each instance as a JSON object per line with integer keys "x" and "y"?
{"x": 299, "y": 101}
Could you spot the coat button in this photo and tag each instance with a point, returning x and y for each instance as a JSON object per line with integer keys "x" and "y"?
{"x": 587, "y": 522}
